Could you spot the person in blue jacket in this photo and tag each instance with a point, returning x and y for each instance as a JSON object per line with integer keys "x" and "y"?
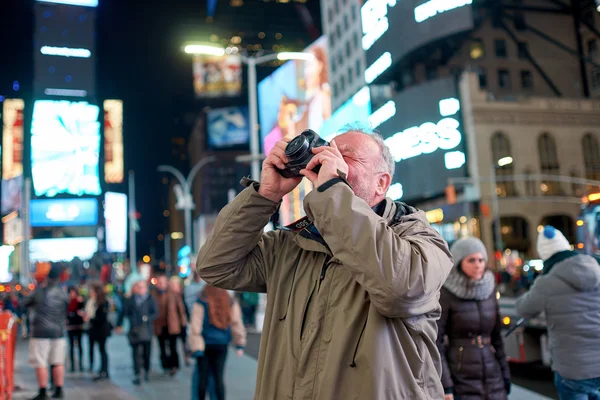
{"x": 216, "y": 321}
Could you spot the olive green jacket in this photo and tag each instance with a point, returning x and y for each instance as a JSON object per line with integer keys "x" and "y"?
{"x": 353, "y": 319}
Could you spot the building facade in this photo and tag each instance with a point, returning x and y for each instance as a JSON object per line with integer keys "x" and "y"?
{"x": 341, "y": 23}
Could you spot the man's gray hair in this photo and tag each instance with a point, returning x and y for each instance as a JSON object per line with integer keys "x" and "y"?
{"x": 386, "y": 161}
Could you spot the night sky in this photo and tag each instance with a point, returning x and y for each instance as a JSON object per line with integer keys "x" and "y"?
{"x": 141, "y": 62}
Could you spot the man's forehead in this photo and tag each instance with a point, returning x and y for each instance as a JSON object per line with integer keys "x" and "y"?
{"x": 354, "y": 142}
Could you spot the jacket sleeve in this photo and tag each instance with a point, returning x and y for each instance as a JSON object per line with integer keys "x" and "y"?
{"x": 402, "y": 271}
{"x": 238, "y": 331}
{"x": 440, "y": 342}
{"x": 182, "y": 312}
{"x": 124, "y": 312}
{"x": 238, "y": 255}
{"x": 498, "y": 344}
{"x": 533, "y": 302}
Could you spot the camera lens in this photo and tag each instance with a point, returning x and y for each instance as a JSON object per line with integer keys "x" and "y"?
{"x": 296, "y": 147}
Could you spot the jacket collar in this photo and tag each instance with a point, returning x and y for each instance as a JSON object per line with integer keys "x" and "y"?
{"x": 556, "y": 258}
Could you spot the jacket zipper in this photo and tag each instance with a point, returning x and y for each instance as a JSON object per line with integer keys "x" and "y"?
{"x": 460, "y": 358}
{"x": 304, "y": 313}
{"x": 485, "y": 388}
{"x": 362, "y": 331}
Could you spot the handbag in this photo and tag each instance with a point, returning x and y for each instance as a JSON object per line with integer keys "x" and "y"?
{"x": 140, "y": 333}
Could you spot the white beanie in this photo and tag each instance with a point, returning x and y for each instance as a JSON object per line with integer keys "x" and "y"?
{"x": 551, "y": 241}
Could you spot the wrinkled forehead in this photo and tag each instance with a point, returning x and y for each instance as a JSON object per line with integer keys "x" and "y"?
{"x": 357, "y": 143}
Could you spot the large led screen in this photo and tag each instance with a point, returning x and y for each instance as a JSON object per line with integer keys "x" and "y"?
{"x": 65, "y": 147}
{"x": 393, "y": 28}
{"x": 297, "y": 96}
{"x": 63, "y": 249}
{"x": 228, "y": 127}
{"x": 217, "y": 76}
{"x": 12, "y": 138}
{"x": 115, "y": 215}
{"x": 63, "y": 212}
{"x": 355, "y": 110}
{"x": 64, "y": 50}
{"x": 113, "y": 141}
{"x": 426, "y": 138}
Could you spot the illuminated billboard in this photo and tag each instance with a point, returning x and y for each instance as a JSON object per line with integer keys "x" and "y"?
{"x": 297, "y": 96}
{"x": 115, "y": 216}
{"x": 426, "y": 139}
{"x": 392, "y": 29}
{"x": 217, "y": 76}
{"x": 228, "y": 127}
{"x": 86, "y": 3}
{"x": 12, "y": 138}
{"x": 355, "y": 110}
{"x": 62, "y": 249}
{"x": 65, "y": 147}
{"x": 64, "y": 49}
{"x": 113, "y": 141}
{"x": 63, "y": 212}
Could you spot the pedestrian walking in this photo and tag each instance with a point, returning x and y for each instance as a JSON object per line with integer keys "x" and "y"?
{"x": 75, "y": 322}
{"x": 249, "y": 305}
{"x": 168, "y": 324}
{"x": 100, "y": 329}
{"x": 216, "y": 321}
{"x": 47, "y": 345}
{"x": 568, "y": 291}
{"x": 140, "y": 310}
{"x": 474, "y": 364}
{"x": 354, "y": 286}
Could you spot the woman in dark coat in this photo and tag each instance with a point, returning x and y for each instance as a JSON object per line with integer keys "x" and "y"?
{"x": 473, "y": 359}
{"x": 75, "y": 326}
{"x": 140, "y": 310}
{"x": 100, "y": 328}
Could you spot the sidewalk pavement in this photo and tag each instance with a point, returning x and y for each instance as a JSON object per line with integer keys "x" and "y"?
{"x": 240, "y": 377}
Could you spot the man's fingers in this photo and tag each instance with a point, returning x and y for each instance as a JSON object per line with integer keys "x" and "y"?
{"x": 272, "y": 159}
{"x": 280, "y": 154}
{"x": 333, "y": 144}
{"x": 281, "y": 145}
{"x": 312, "y": 176}
{"x": 316, "y": 160}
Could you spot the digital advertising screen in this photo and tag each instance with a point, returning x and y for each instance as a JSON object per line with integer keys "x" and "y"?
{"x": 64, "y": 50}
{"x": 12, "y": 192}
{"x": 217, "y": 76}
{"x": 65, "y": 148}
{"x": 426, "y": 138}
{"x": 355, "y": 110}
{"x": 63, "y": 212}
{"x": 12, "y": 138}
{"x": 228, "y": 127}
{"x": 392, "y": 28}
{"x": 113, "y": 141}
{"x": 115, "y": 216}
{"x": 297, "y": 96}
{"x": 62, "y": 249}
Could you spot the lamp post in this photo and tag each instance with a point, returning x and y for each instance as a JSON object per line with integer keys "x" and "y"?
{"x": 185, "y": 202}
{"x": 251, "y": 62}
{"x": 504, "y": 161}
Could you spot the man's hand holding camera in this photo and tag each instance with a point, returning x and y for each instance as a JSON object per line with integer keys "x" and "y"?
{"x": 273, "y": 185}
{"x": 331, "y": 161}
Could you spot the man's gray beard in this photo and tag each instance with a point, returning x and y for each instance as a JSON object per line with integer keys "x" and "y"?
{"x": 363, "y": 191}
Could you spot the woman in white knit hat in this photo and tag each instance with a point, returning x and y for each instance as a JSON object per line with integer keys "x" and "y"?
{"x": 568, "y": 291}
{"x": 474, "y": 365}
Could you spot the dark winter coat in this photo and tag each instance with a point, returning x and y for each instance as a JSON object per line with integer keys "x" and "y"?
{"x": 141, "y": 317}
{"x": 100, "y": 326}
{"x": 473, "y": 360}
{"x": 49, "y": 306}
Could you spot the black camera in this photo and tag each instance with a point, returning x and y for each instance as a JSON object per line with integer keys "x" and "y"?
{"x": 299, "y": 153}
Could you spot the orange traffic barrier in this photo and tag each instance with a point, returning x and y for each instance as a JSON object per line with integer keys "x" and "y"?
{"x": 8, "y": 342}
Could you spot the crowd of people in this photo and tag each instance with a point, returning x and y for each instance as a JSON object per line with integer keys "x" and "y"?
{"x": 203, "y": 318}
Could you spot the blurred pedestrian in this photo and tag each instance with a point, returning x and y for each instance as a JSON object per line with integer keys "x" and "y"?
{"x": 75, "y": 315}
{"x": 568, "y": 291}
{"x": 100, "y": 328}
{"x": 140, "y": 310}
{"x": 474, "y": 364}
{"x": 249, "y": 305}
{"x": 216, "y": 320}
{"x": 168, "y": 324}
{"x": 47, "y": 346}
{"x": 176, "y": 285}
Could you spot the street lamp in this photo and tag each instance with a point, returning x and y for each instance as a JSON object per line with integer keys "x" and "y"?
{"x": 185, "y": 201}
{"x": 251, "y": 61}
{"x": 504, "y": 161}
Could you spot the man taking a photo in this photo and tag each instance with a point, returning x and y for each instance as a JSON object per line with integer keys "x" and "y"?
{"x": 353, "y": 289}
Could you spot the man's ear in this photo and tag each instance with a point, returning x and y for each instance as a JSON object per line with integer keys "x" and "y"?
{"x": 383, "y": 183}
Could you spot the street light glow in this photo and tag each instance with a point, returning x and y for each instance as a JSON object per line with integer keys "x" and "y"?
{"x": 505, "y": 161}
{"x": 284, "y": 56}
{"x": 204, "y": 49}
